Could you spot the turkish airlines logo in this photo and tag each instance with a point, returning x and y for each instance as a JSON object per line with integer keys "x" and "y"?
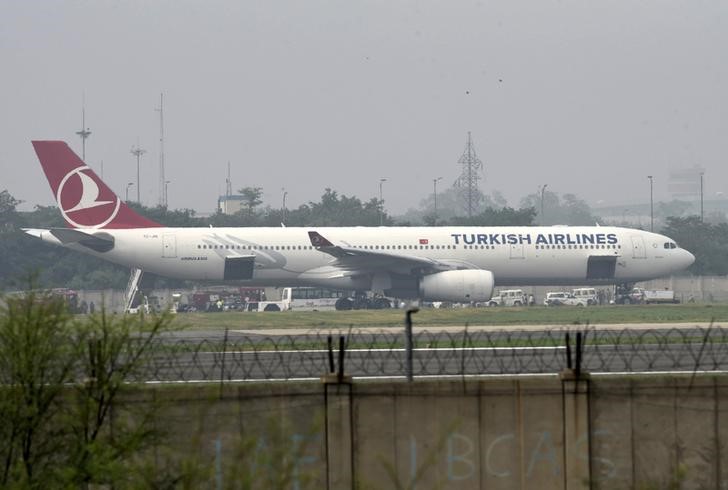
{"x": 80, "y": 204}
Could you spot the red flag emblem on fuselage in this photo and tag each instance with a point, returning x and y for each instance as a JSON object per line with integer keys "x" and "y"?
{"x": 423, "y": 241}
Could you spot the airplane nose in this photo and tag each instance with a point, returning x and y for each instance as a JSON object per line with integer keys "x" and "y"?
{"x": 688, "y": 258}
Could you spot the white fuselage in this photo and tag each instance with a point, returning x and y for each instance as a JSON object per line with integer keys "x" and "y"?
{"x": 285, "y": 256}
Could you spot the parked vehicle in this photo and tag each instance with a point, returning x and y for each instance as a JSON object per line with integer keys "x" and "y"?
{"x": 647, "y": 296}
{"x": 659, "y": 296}
{"x": 587, "y": 294}
{"x": 321, "y": 299}
{"x": 561, "y": 298}
{"x": 509, "y": 297}
{"x": 639, "y": 295}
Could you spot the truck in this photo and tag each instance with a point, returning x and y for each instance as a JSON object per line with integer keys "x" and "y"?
{"x": 655, "y": 295}
{"x": 639, "y": 295}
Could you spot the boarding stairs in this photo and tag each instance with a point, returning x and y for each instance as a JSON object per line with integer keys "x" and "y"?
{"x": 132, "y": 288}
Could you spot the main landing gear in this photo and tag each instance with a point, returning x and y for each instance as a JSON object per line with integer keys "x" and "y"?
{"x": 360, "y": 301}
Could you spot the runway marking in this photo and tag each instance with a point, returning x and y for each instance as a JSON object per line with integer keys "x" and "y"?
{"x": 398, "y": 349}
{"x": 274, "y": 332}
{"x": 432, "y": 376}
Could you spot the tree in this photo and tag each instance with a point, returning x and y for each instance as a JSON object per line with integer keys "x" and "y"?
{"x": 449, "y": 206}
{"x": 498, "y": 217}
{"x": 567, "y": 210}
{"x": 165, "y": 216}
{"x": 577, "y": 211}
{"x": 36, "y": 361}
{"x": 708, "y": 242}
{"x": 8, "y": 214}
{"x": 339, "y": 210}
{"x": 59, "y": 379}
{"x": 44, "y": 217}
{"x": 252, "y": 197}
{"x": 113, "y": 350}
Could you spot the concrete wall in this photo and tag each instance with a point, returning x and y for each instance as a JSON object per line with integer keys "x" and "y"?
{"x": 694, "y": 288}
{"x": 519, "y": 433}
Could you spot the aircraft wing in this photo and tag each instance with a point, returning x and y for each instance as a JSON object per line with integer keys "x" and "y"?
{"x": 357, "y": 259}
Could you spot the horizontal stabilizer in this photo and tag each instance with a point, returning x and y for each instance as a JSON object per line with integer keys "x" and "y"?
{"x": 99, "y": 242}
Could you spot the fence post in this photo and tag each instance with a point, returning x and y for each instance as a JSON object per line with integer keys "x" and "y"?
{"x": 339, "y": 440}
{"x": 329, "y": 342}
{"x": 338, "y": 422}
{"x": 575, "y": 395}
{"x": 222, "y": 362}
{"x": 408, "y": 342}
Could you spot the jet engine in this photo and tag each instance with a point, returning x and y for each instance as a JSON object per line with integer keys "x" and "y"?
{"x": 459, "y": 286}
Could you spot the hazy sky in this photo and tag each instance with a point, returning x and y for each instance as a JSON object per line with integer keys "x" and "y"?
{"x": 587, "y": 96}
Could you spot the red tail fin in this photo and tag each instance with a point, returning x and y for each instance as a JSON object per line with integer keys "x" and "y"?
{"x": 83, "y": 198}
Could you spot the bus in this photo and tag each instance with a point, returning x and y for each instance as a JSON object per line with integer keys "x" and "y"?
{"x": 305, "y": 299}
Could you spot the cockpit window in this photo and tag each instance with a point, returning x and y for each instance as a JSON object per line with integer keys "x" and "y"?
{"x": 667, "y": 245}
{"x": 670, "y": 245}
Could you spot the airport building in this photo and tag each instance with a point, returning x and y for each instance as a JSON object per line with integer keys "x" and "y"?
{"x": 230, "y": 204}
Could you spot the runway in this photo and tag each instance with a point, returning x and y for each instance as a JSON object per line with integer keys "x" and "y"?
{"x": 282, "y": 354}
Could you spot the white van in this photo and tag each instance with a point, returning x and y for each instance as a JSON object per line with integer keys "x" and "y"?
{"x": 509, "y": 297}
{"x": 561, "y": 298}
{"x": 588, "y": 295}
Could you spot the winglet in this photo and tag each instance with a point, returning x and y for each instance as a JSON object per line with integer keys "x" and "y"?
{"x": 318, "y": 241}
{"x": 84, "y": 199}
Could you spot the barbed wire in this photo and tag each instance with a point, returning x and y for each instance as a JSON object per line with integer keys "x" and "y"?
{"x": 238, "y": 357}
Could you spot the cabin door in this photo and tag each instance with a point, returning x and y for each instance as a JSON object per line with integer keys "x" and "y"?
{"x": 638, "y": 247}
{"x": 169, "y": 246}
{"x": 517, "y": 251}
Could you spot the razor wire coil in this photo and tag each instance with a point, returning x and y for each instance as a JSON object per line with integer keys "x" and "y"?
{"x": 466, "y": 353}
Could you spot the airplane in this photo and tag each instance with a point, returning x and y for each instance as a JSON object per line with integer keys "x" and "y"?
{"x": 445, "y": 263}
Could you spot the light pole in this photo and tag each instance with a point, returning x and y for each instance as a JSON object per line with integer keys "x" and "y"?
{"x": 543, "y": 189}
{"x": 652, "y": 212}
{"x": 166, "y": 183}
{"x": 285, "y": 193}
{"x": 701, "y": 196}
{"x": 434, "y": 192}
{"x": 381, "y": 202}
{"x": 127, "y": 190}
{"x": 138, "y": 152}
{"x": 85, "y": 132}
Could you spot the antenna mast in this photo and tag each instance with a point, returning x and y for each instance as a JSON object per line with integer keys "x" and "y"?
{"x": 228, "y": 184}
{"x": 162, "y": 179}
{"x": 471, "y": 167}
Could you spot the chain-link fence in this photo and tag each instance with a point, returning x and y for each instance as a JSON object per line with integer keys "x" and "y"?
{"x": 466, "y": 353}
